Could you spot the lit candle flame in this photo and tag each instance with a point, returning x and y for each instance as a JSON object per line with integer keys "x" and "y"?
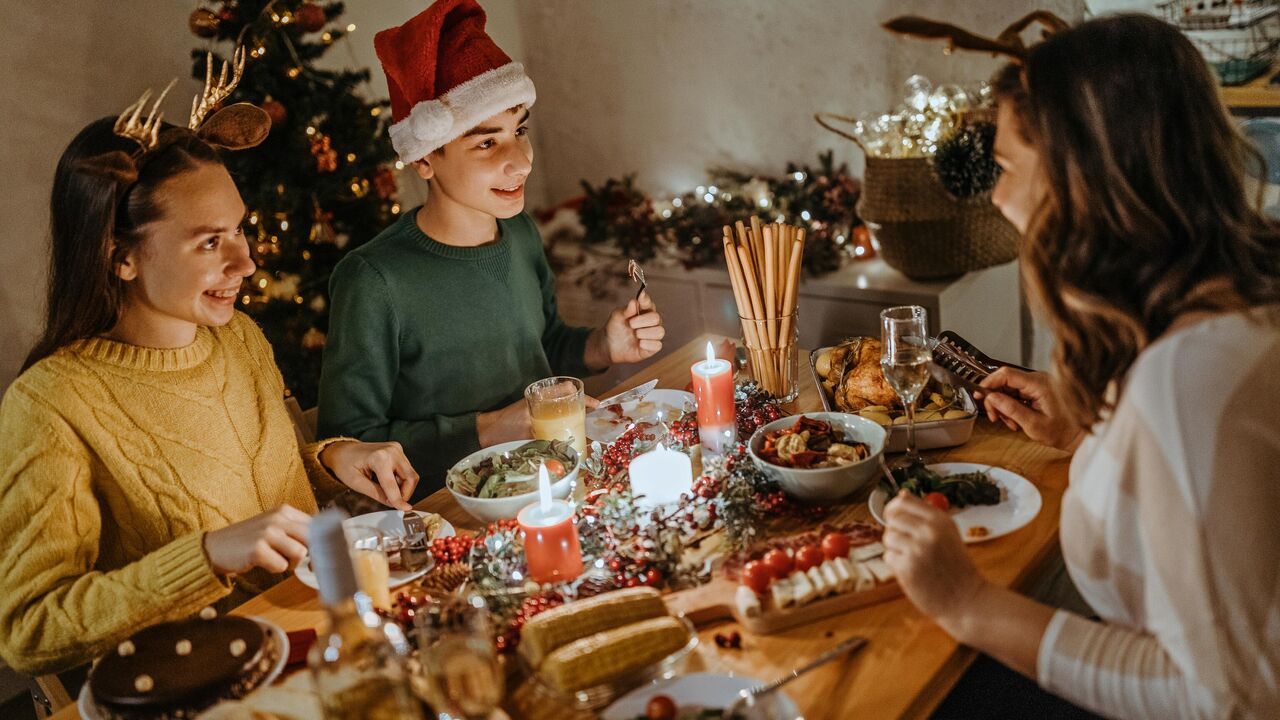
{"x": 544, "y": 489}
{"x": 711, "y": 355}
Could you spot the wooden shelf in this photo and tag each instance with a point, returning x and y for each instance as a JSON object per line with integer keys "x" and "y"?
{"x": 1259, "y": 96}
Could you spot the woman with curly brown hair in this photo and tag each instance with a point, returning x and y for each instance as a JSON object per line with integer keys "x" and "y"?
{"x": 1161, "y": 282}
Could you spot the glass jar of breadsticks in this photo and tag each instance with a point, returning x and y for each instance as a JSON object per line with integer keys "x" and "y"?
{"x": 764, "y": 268}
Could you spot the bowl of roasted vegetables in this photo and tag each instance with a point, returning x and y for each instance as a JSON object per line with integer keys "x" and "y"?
{"x": 819, "y": 456}
{"x": 497, "y": 482}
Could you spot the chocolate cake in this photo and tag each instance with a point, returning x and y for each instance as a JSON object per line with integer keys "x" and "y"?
{"x": 174, "y": 670}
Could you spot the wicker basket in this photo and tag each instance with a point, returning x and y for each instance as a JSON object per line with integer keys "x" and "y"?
{"x": 923, "y": 231}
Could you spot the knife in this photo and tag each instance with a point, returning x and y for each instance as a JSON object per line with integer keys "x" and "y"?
{"x": 635, "y": 393}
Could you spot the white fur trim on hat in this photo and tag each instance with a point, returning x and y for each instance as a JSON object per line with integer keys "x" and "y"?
{"x": 433, "y": 123}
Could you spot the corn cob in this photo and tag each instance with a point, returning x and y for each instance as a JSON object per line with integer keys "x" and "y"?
{"x": 613, "y": 654}
{"x": 549, "y": 630}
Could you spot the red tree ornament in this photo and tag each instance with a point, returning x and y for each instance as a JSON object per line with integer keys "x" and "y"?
{"x": 310, "y": 17}
{"x": 276, "y": 111}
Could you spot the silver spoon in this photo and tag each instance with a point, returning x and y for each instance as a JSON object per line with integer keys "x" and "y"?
{"x": 748, "y": 698}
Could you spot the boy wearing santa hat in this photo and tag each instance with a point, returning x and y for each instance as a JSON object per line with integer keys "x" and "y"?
{"x": 439, "y": 323}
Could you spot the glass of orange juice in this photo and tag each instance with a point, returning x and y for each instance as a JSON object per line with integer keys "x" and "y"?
{"x": 373, "y": 570}
{"x": 557, "y": 406}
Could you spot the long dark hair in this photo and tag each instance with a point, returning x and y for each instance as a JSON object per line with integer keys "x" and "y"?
{"x": 104, "y": 196}
{"x": 1146, "y": 207}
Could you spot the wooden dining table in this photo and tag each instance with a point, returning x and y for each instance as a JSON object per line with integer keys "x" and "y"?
{"x": 908, "y": 664}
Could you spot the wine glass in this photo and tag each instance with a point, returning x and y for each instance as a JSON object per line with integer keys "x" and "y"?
{"x": 455, "y": 647}
{"x": 905, "y": 359}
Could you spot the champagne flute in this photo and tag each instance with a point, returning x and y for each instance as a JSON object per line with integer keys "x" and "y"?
{"x": 905, "y": 359}
{"x": 455, "y": 646}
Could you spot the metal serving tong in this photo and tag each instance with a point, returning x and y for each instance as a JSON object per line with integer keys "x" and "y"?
{"x": 957, "y": 361}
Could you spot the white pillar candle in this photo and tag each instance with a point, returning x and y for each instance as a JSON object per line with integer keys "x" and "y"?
{"x": 661, "y": 476}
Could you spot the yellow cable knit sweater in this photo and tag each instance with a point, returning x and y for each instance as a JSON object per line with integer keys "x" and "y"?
{"x": 114, "y": 462}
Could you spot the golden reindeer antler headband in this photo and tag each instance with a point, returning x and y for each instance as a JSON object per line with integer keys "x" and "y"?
{"x": 1008, "y": 43}
{"x": 234, "y": 127}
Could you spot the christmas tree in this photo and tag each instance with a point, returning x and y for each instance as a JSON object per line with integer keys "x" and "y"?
{"x": 320, "y": 185}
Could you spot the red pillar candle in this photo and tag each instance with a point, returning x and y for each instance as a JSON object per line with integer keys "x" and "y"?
{"x": 551, "y": 546}
{"x": 713, "y": 386}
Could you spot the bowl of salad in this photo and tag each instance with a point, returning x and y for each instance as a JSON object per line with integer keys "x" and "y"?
{"x": 497, "y": 482}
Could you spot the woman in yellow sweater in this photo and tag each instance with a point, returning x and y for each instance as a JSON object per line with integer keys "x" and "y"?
{"x": 149, "y": 466}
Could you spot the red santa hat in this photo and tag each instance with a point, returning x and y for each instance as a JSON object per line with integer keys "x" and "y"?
{"x": 446, "y": 76}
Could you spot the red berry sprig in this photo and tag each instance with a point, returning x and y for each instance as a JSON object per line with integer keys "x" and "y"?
{"x": 455, "y": 548}
{"x": 532, "y": 605}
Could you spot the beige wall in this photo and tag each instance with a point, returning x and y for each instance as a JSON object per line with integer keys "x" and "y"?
{"x": 662, "y": 87}
{"x": 669, "y": 87}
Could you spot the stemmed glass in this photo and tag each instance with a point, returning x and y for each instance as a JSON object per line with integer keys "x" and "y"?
{"x": 455, "y": 646}
{"x": 905, "y": 359}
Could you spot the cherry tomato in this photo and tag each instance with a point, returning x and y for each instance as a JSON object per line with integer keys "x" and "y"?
{"x": 779, "y": 562}
{"x": 555, "y": 468}
{"x": 660, "y": 707}
{"x": 835, "y": 545}
{"x": 809, "y": 556}
{"x": 757, "y": 576}
{"x": 938, "y": 500}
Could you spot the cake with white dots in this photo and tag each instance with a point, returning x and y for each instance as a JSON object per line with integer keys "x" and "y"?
{"x": 175, "y": 670}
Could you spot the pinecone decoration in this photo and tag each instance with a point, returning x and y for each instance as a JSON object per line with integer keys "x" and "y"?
{"x": 445, "y": 578}
{"x": 965, "y": 161}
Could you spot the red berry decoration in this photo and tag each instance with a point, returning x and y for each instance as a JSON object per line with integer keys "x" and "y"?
{"x": 310, "y": 17}
{"x": 731, "y": 641}
{"x": 456, "y": 548}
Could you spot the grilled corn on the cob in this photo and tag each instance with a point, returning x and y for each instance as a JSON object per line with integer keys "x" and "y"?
{"x": 613, "y": 654}
{"x": 549, "y": 630}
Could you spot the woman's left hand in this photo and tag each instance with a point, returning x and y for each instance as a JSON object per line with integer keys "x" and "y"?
{"x": 923, "y": 546}
{"x": 633, "y": 333}
{"x": 377, "y": 469}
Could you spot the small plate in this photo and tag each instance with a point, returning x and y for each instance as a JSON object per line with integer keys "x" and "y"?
{"x": 1019, "y": 505}
{"x": 604, "y": 425}
{"x": 89, "y": 711}
{"x": 388, "y": 521}
{"x": 702, "y": 690}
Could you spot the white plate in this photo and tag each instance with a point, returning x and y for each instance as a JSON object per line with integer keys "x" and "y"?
{"x": 604, "y": 426}
{"x": 89, "y": 711}
{"x": 1019, "y": 505}
{"x": 706, "y": 690}
{"x": 388, "y": 521}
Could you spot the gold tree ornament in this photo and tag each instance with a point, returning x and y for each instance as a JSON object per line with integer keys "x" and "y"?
{"x": 147, "y": 132}
{"x": 214, "y": 94}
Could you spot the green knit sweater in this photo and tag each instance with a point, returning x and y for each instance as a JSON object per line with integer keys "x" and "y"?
{"x": 423, "y": 336}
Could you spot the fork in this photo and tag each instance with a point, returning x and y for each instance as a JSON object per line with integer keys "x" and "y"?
{"x": 637, "y": 275}
{"x": 888, "y": 474}
{"x": 749, "y": 696}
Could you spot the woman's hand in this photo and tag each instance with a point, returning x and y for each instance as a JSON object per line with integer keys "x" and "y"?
{"x": 1024, "y": 401}
{"x": 923, "y": 546}
{"x": 377, "y": 469}
{"x": 632, "y": 334}
{"x": 275, "y": 541}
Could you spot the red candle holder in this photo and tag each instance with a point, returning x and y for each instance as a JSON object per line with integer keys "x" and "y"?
{"x": 551, "y": 546}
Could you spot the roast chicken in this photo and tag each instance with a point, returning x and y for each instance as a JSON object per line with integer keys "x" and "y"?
{"x": 853, "y": 375}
